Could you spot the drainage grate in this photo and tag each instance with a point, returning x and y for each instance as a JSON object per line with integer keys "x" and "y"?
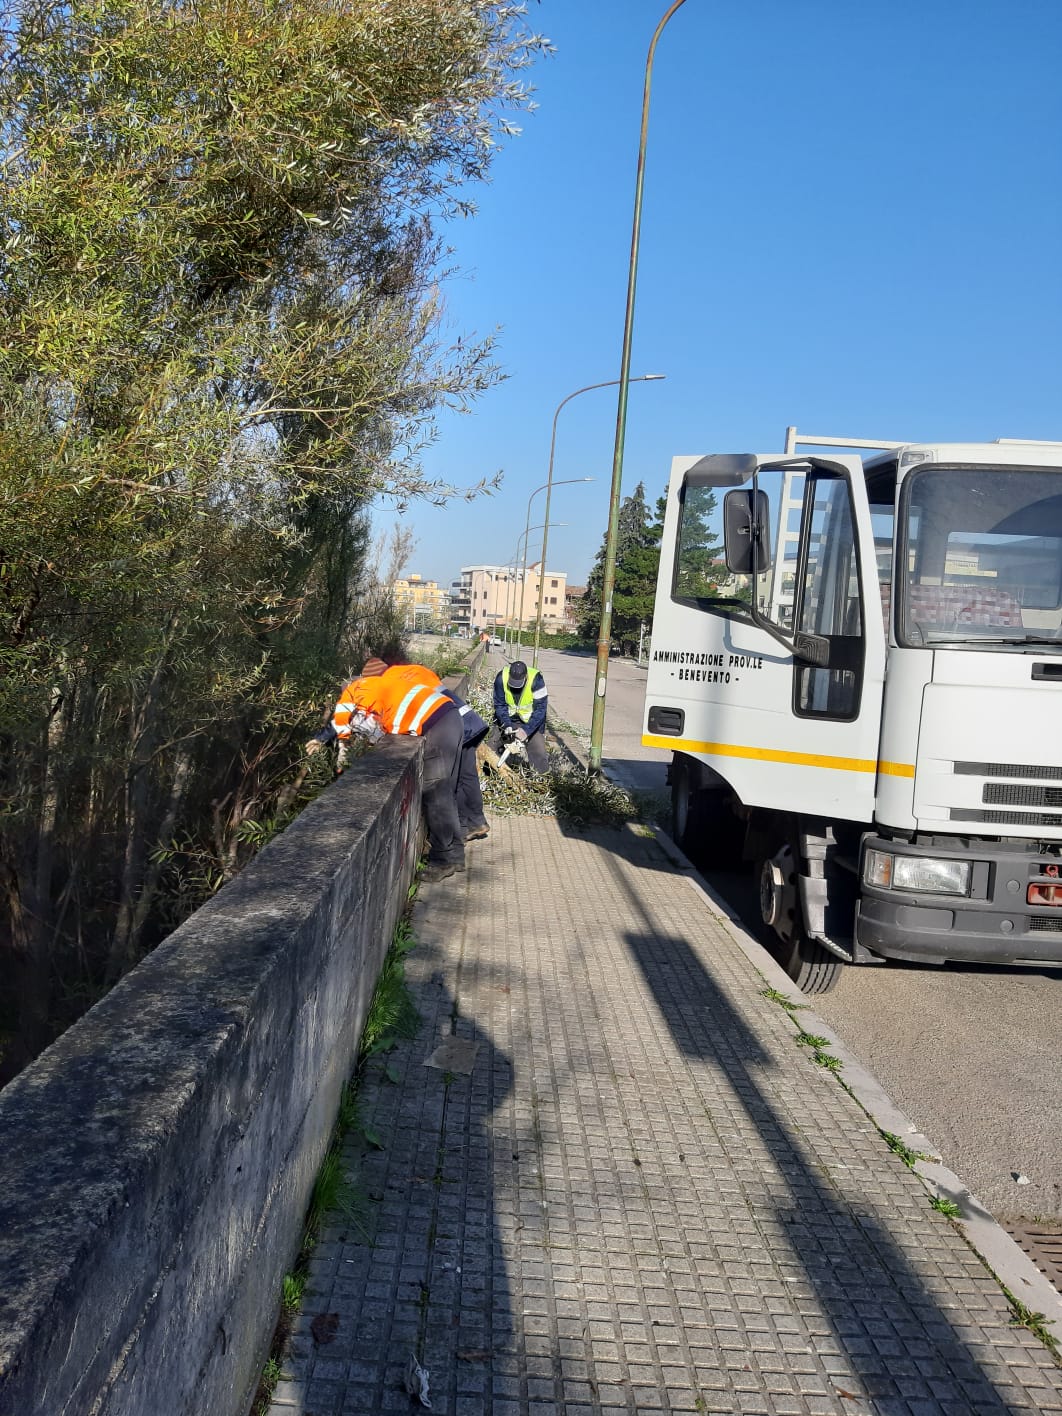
{"x": 1043, "y": 1245}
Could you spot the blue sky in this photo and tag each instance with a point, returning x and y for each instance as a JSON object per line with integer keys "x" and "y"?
{"x": 852, "y": 222}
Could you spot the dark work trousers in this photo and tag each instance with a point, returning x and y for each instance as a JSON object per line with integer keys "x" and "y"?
{"x": 443, "y": 738}
{"x": 469, "y": 794}
{"x": 535, "y": 746}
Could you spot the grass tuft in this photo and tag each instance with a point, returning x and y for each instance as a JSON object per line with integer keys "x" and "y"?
{"x": 774, "y": 995}
{"x": 904, "y": 1151}
{"x": 392, "y": 1014}
{"x": 293, "y": 1288}
{"x": 1036, "y": 1323}
{"x": 945, "y": 1206}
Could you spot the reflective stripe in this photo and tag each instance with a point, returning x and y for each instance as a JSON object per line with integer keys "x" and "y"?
{"x": 465, "y": 708}
{"x": 539, "y": 693}
{"x": 396, "y": 726}
{"x": 426, "y": 707}
{"x": 769, "y": 754}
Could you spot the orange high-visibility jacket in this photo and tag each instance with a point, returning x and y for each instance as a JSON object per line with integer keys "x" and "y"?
{"x": 404, "y": 699}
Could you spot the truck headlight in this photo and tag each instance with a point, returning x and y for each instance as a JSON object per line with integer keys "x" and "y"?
{"x": 922, "y": 874}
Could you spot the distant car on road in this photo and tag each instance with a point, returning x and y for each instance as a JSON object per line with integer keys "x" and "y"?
{"x": 496, "y": 641}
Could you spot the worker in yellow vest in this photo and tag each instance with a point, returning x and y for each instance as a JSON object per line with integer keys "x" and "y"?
{"x": 407, "y": 700}
{"x": 520, "y": 712}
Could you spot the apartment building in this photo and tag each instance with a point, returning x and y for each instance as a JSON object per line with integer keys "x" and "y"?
{"x": 492, "y": 596}
{"x": 422, "y": 602}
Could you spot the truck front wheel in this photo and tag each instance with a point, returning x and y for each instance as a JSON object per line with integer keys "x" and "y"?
{"x": 811, "y": 967}
{"x": 686, "y": 799}
{"x": 703, "y": 822}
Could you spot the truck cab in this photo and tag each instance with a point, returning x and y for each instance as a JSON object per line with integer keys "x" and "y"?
{"x": 856, "y": 664}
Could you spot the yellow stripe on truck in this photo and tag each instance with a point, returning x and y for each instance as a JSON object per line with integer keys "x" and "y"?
{"x": 773, "y": 754}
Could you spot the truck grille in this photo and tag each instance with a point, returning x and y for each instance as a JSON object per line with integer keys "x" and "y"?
{"x": 1045, "y": 924}
{"x": 1012, "y": 770}
{"x": 1005, "y": 818}
{"x": 1002, "y": 794}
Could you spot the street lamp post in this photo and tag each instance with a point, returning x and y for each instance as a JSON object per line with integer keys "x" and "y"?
{"x": 550, "y": 484}
{"x": 528, "y": 528}
{"x": 608, "y": 579}
{"x": 523, "y": 572}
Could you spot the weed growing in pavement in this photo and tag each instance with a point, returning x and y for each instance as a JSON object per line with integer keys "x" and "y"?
{"x": 773, "y": 995}
{"x": 904, "y": 1151}
{"x": 293, "y": 1288}
{"x": 1036, "y": 1323}
{"x": 335, "y": 1192}
{"x": 392, "y": 1013}
{"x": 806, "y": 1039}
{"x": 945, "y": 1206}
{"x": 819, "y": 1046}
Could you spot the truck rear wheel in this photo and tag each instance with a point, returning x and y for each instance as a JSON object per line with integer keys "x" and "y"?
{"x": 811, "y": 966}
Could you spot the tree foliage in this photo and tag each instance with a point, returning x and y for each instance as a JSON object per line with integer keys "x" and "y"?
{"x": 220, "y": 339}
{"x": 637, "y": 560}
{"x": 699, "y": 570}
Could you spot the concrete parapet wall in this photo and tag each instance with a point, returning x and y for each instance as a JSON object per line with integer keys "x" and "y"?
{"x": 156, "y": 1162}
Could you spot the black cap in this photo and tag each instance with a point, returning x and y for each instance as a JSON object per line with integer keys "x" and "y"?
{"x": 518, "y": 673}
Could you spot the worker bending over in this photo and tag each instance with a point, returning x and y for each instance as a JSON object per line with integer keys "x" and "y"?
{"x": 520, "y": 712}
{"x": 407, "y": 700}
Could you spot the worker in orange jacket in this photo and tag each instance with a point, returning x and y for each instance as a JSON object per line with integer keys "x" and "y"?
{"x": 406, "y": 699}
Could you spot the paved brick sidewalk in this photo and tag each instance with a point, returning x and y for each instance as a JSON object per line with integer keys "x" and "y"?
{"x": 645, "y": 1197}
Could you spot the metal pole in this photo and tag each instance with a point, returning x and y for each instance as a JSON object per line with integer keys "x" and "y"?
{"x": 523, "y": 573}
{"x": 604, "y": 641}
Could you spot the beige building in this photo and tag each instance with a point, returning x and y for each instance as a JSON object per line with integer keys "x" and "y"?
{"x": 492, "y": 596}
{"x": 422, "y": 602}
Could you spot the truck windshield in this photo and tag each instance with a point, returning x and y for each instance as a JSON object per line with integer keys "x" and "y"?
{"x": 983, "y": 557}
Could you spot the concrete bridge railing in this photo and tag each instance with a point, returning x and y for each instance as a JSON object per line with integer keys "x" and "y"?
{"x": 156, "y": 1162}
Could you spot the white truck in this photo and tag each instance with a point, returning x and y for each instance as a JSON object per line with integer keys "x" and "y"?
{"x": 857, "y": 666}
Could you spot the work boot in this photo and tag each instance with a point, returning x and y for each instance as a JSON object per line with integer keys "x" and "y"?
{"x": 477, "y": 833}
{"x": 440, "y": 869}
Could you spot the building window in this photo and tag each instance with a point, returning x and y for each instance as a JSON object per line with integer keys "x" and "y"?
{"x": 553, "y": 586}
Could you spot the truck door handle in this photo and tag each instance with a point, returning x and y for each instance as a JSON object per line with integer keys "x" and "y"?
{"x": 1051, "y": 670}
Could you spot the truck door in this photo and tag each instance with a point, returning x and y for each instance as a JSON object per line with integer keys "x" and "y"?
{"x": 792, "y": 721}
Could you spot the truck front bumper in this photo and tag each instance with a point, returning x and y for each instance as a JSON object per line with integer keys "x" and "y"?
{"x": 994, "y": 925}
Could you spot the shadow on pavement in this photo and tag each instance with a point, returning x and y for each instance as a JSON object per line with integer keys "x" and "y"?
{"x": 908, "y": 1352}
{"x": 426, "y": 1274}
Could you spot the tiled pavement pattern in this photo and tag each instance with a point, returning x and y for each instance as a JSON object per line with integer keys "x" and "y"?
{"x": 646, "y": 1197}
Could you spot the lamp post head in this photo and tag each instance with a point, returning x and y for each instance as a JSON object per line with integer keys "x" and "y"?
{"x": 647, "y": 377}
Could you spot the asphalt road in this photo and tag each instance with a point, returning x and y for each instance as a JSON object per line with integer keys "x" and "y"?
{"x": 972, "y": 1055}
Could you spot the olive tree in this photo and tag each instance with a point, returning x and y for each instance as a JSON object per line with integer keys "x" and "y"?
{"x": 220, "y": 339}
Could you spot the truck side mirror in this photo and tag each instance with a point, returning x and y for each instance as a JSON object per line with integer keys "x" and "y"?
{"x": 747, "y": 531}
